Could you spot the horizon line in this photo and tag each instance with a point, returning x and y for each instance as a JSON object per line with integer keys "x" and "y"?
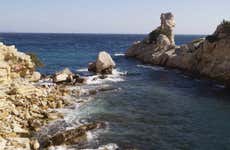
{"x": 93, "y": 33}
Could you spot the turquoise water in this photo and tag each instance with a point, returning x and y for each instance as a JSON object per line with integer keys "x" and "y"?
{"x": 154, "y": 108}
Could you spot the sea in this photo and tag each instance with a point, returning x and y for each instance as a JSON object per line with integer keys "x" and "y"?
{"x": 153, "y": 108}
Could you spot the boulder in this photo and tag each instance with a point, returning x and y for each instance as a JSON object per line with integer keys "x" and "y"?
{"x": 92, "y": 67}
{"x": 66, "y": 134}
{"x": 63, "y": 76}
{"x": 103, "y": 65}
{"x": 79, "y": 80}
{"x": 36, "y": 76}
{"x": 34, "y": 144}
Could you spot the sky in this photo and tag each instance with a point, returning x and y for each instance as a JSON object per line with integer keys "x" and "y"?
{"x": 110, "y": 16}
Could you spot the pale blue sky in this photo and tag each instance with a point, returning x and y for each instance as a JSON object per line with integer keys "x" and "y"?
{"x": 110, "y": 16}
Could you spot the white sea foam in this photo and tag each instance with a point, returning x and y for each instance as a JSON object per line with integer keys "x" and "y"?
{"x": 89, "y": 136}
{"x": 82, "y": 70}
{"x": 110, "y": 146}
{"x": 155, "y": 68}
{"x": 119, "y": 54}
{"x": 116, "y": 76}
{"x": 63, "y": 147}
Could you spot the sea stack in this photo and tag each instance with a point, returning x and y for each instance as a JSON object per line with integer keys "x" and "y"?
{"x": 168, "y": 24}
{"x": 209, "y": 56}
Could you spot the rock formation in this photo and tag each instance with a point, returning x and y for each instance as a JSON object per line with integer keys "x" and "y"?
{"x": 208, "y": 56}
{"x": 103, "y": 65}
{"x": 63, "y": 76}
{"x": 167, "y": 24}
{"x": 67, "y": 77}
{"x": 14, "y": 64}
{"x": 24, "y": 105}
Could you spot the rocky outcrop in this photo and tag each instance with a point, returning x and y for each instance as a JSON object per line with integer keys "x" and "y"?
{"x": 103, "y": 65}
{"x": 24, "y": 105}
{"x": 14, "y": 64}
{"x": 208, "y": 56}
{"x": 67, "y": 77}
{"x": 60, "y": 132}
{"x": 167, "y": 24}
{"x": 27, "y": 102}
{"x": 62, "y": 76}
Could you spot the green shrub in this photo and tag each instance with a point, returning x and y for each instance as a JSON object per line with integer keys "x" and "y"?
{"x": 226, "y": 26}
{"x": 35, "y": 59}
{"x": 212, "y": 38}
{"x": 197, "y": 40}
{"x": 154, "y": 34}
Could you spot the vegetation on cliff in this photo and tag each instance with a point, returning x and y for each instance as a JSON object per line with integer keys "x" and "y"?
{"x": 34, "y": 58}
{"x": 223, "y": 29}
{"x": 155, "y": 34}
{"x": 226, "y": 26}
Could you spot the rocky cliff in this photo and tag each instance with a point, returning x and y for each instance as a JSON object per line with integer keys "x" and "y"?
{"x": 27, "y": 116}
{"x": 14, "y": 64}
{"x": 208, "y": 56}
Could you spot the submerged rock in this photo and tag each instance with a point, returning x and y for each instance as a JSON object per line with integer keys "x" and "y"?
{"x": 103, "y": 65}
{"x": 62, "y": 133}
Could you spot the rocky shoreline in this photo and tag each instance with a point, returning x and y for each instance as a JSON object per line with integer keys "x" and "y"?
{"x": 209, "y": 56}
{"x": 28, "y": 101}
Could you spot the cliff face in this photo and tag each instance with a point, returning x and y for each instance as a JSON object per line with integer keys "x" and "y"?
{"x": 213, "y": 55}
{"x": 14, "y": 64}
{"x": 24, "y": 106}
{"x": 208, "y": 56}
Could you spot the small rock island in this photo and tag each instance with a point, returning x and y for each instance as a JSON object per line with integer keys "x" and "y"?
{"x": 209, "y": 56}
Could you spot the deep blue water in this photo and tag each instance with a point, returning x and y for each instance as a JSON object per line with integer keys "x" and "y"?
{"x": 156, "y": 108}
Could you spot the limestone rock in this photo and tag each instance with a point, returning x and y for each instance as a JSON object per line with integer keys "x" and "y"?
{"x": 208, "y": 56}
{"x": 34, "y": 144}
{"x": 66, "y": 134}
{"x": 14, "y": 64}
{"x": 36, "y": 76}
{"x": 104, "y": 61}
{"x": 163, "y": 42}
{"x": 18, "y": 144}
{"x": 63, "y": 75}
{"x": 168, "y": 23}
{"x": 104, "y": 64}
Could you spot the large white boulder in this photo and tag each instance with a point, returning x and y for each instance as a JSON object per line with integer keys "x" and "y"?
{"x": 104, "y": 64}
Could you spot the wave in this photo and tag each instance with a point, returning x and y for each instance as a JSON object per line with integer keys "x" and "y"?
{"x": 110, "y": 146}
{"x": 119, "y": 54}
{"x": 155, "y": 68}
{"x": 116, "y": 76}
{"x": 82, "y": 70}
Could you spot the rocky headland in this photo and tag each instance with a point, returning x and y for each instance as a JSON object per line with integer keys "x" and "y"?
{"x": 208, "y": 56}
{"x": 28, "y": 103}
